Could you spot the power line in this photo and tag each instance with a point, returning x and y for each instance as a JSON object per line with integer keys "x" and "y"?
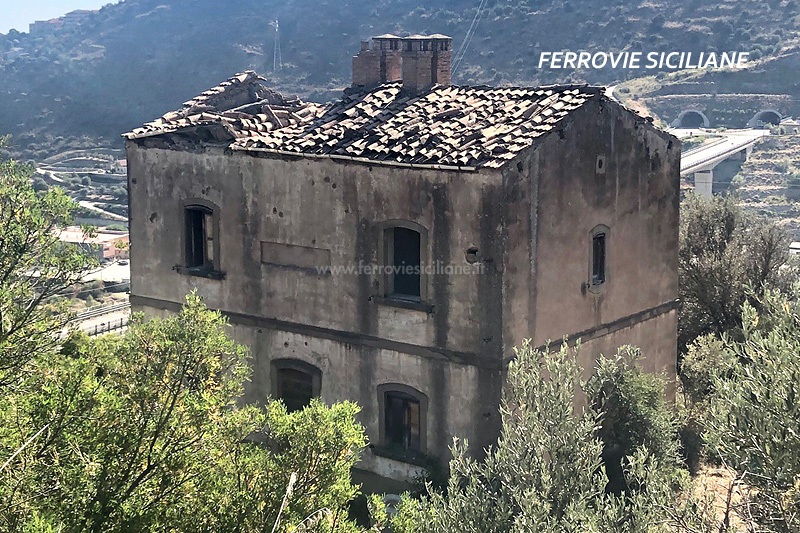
{"x": 462, "y": 50}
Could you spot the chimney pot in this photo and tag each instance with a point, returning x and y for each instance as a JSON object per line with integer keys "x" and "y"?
{"x": 426, "y": 61}
{"x": 421, "y": 61}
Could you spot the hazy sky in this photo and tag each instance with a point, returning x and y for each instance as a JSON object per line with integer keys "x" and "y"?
{"x": 18, "y": 14}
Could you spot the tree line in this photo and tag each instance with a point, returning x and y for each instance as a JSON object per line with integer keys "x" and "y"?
{"x": 147, "y": 430}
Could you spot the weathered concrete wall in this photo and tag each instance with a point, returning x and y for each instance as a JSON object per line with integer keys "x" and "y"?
{"x": 354, "y": 372}
{"x": 336, "y": 208}
{"x": 325, "y": 206}
{"x": 635, "y": 194}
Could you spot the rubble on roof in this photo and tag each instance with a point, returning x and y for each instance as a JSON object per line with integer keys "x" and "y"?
{"x": 242, "y": 105}
{"x": 447, "y": 126}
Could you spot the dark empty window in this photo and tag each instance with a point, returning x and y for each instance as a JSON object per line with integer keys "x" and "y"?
{"x": 199, "y": 237}
{"x": 295, "y": 388}
{"x": 404, "y": 260}
{"x": 599, "y": 258}
{"x": 295, "y": 382}
{"x": 402, "y": 423}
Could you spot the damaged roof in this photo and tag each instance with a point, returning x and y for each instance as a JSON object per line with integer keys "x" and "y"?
{"x": 452, "y": 126}
{"x": 241, "y": 105}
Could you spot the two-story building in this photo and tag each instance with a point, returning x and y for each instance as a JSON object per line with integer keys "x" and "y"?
{"x": 392, "y": 247}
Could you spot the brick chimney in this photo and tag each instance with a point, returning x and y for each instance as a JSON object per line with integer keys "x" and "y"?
{"x": 421, "y": 61}
{"x": 378, "y": 61}
{"x": 426, "y": 61}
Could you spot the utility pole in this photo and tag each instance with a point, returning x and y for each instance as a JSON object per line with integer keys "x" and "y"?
{"x": 277, "y": 63}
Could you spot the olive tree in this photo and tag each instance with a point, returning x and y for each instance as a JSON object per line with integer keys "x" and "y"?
{"x": 547, "y": 472}
{"x": 726, "y": 257}
{"x": 144, "y": 432}
{"x": 35, "y": 267}
{"x": 753, "y": 423}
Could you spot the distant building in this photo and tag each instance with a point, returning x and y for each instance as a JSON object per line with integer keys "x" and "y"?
{"x": 105, "y": 245}
{"x": 71, "y": 19}
{"x": 392, "y": 247}
{"x": 45, "y": 27}
{"x": 790, "y": 126}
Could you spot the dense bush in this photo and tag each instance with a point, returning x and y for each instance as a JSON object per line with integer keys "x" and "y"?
{"x": 726, "y": 258}
{"x": 753, "y": 423}
{"x": 547, "y": 474}
{"x": 141, "y": 432}
{"x": 635, "y": 414}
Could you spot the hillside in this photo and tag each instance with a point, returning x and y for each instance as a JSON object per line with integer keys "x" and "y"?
{"x": 134, "y": 60}
{"x": 769, "y": 182}
{"x": 728, "y": 98}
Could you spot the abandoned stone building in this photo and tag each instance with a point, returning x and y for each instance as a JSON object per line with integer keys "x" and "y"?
{"x": 392, "y": 247}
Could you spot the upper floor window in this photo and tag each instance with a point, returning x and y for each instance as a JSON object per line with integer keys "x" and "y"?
{"x": 404, "y": 259}
{"x": 199, "y": 237}
{"x": 599, "y": 270}
{"x": 404, "y": 412}
{"x": 402, "y": 248}
{"x": 200, "y": 240}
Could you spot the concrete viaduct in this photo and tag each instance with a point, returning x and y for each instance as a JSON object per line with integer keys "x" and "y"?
{"x": 701, "y": 161}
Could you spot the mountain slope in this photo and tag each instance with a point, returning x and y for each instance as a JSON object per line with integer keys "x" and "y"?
{"x": 132, "y": 61}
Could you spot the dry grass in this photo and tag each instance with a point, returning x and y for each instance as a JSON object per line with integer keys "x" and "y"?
{"x": 726, "y": 497}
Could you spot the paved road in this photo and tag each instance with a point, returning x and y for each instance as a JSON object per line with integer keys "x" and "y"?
{"x": 105, "y": 214}
{"x": 728, "y": 143}
{"x": 113, "y": 272}
{"x": 103, "y": 322}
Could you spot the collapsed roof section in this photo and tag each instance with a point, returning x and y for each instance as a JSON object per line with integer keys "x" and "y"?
{"x": 446, "y": 126}
{"x": 238, "y": 107}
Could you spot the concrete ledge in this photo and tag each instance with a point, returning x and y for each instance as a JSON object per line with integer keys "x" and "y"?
{"x": 463, "y": 358}
{"x": 606, "y": 329}
{"x": 346, "y": 337}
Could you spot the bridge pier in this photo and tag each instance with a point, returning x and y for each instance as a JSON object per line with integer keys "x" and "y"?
{"x": 704, "y": 182}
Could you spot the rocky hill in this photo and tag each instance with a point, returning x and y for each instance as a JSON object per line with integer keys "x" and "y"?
{"x": 769, "y": 182}
{"x": 102, "y": 73}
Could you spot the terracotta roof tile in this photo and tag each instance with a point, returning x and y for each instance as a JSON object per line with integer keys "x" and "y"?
{"x": 241, "y": 105}
{"x": 448, "y": 125}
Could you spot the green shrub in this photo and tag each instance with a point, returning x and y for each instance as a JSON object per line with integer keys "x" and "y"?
{"x": 706, "y": 360}
{"x": 635, "y": 415}
{"x": 753, "y": 423}
{"x": 546, "y": 472}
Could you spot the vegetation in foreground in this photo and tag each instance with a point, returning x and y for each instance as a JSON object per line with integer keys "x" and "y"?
{"x": 146, "y": 431}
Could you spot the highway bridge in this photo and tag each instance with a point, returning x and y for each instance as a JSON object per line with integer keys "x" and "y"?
{"x": 701, "y": 161}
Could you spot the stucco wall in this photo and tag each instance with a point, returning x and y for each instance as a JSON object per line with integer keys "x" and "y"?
{"x": 636, "y": 195}
{"x": 337, "y": 320}
{"x": 353, "y": 372}
{"x": 327, "y": 206}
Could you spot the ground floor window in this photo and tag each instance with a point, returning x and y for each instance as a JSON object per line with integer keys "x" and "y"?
{"x": 402, "y": 421}
{"x": 403, "y": 418}
{"x": 295, "y": 383}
